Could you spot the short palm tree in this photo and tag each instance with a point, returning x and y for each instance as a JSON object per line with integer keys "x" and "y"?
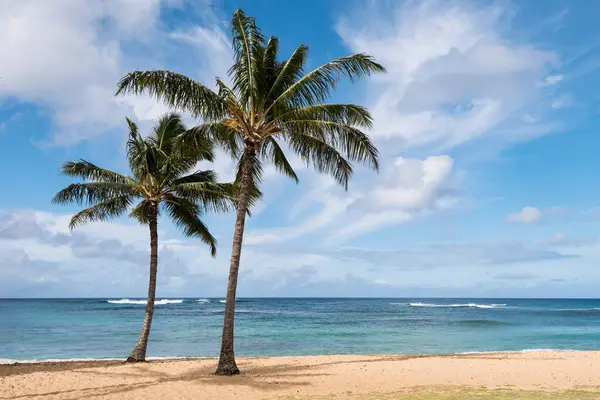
{"x": 161, "y": 180}
{"x": 270, "y": 102}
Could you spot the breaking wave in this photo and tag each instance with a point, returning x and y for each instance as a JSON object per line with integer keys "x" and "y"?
{"x": 143, "y": 302}
{"x": 465, "y": 305}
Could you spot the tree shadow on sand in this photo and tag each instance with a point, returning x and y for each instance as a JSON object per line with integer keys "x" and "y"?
{"x": 269, "y": 378}
{"x": 265, "y": 379}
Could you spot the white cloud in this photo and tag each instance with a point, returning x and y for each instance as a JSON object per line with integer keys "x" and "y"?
{"x": 452, "y": 74}
{"x": 67, "y": 55}
{"x": 112, "y": 259}
{"x": 527, "y": 215}
{"x": 407, "y": 189}
{"x": 411, "y": 183}
{"x": 53, "y": 54}
{"x": 40, "y": 259}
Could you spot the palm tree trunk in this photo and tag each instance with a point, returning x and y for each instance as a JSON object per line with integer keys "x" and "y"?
{"x": 139, "y": 351}
{"x": 227, "y": 365}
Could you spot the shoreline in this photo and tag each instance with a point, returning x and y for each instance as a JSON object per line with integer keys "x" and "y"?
{"x": 9, "y": 361}
{"x": 314, "y": 377}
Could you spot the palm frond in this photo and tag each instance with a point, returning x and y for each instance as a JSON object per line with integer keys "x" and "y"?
{"x": 186, "y": 215}
{"x": 225, "y": 91}
{"x": 266, "y": 71}
{"x": 212, "y": 196}
{"x": 323, "y": 157}
{"x": 355, "y": 144}
{"x": 95, "y": 192}
{"x": 314, "y": 87}
{"x": 289, "y": 73}
{"x": 90, "y": 172}
{"x": 237, "y": 118}
{"x": 194, "y": 145}
{"x": 221, "y": 134}
{"x": 166, "y": 130}
{"x": 248, "y": 46}
{"x": 102, "y": 211}
{"x": 271, "y": 51}
{"x": 133, "y": 129}
{"x": 272, "y": 152}
{"x": 269, "y": 61}
{"x": 346, "y": 114}
{"x": 144, "y": 154}
{"x": 175, "y": 90}
{"x": 178, "y": 148}
{"x": 198, "y": 176}
{"x": 141, "y": 212}
{"x": 135, "y": 147}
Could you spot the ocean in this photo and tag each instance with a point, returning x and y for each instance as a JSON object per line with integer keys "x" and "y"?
{"x": 42, "y": 329}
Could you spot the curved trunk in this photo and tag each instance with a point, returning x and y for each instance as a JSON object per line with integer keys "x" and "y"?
{"x": 227, "y": 365}
{"x": 139, "y": 351}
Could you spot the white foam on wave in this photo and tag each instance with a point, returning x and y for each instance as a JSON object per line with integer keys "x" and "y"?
{"x": 143, "y": 302}
{"x": 167, "y": 301}
{"x": 203, "y": 301}
{"x": 127, "y": 301}
{"x": 465, "y": 305}
{"x": 222, "y": 301}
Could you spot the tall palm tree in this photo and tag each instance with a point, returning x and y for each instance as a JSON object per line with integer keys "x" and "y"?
{"x": 160, "y": 165}
{"x": 270, "y": 102}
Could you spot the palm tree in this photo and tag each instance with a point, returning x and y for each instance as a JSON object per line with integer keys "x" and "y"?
{"x": 160, "y": 165}
{"x": 270, "y": 102}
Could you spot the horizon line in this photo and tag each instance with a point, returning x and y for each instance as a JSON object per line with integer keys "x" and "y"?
{"x": 300, "y": 297}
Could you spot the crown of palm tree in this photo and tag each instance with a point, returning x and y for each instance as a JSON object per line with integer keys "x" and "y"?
{"x": 160, "y": 165}
{"x": 273, "y": 102}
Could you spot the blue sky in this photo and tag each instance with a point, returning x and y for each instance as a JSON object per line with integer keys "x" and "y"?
{"x": 487, "y": 124}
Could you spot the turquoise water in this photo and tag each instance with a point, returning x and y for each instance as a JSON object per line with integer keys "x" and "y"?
{"x": 96, "y": 328}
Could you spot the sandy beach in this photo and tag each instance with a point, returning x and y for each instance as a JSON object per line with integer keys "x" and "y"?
{"x": 572, "y": 375}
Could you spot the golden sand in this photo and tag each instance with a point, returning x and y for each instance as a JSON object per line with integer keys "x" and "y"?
{"x": 576, "y": 375}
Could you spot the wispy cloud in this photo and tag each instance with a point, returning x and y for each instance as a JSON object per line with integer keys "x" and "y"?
{"x": 453, "y": 75}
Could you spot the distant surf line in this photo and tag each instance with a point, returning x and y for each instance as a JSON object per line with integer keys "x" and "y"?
{"x": 159, "y": 302}
{"x": 458, "y": 305}
{"x": 143, "y": 302}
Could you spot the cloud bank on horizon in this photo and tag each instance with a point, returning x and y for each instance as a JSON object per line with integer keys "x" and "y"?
{"x": 485, "y": 122}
